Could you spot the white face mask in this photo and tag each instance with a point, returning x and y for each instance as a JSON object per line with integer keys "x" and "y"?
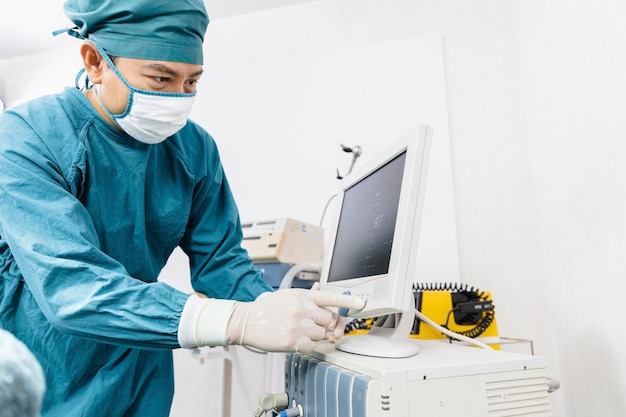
{"x": 150, "y": 116}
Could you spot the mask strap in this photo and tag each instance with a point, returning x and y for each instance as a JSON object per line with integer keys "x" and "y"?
{"x": 111, "y": 115}
{"x": 87, "y": 85}
{"x": 111, "y": 65}
{"x": 76, "y": 34}
{"x": 132, "y": 89}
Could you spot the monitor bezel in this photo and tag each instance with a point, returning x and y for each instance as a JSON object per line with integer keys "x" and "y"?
{"x": 387, "y": 293}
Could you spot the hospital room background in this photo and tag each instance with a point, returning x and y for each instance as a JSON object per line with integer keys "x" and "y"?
{"x": 527, "y": 189}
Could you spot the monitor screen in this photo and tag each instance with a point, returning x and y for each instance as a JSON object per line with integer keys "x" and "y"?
{"x": 374, "y": 240}
{"x": 367, "y": 223}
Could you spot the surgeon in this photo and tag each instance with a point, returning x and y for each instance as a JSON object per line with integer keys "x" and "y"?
{"x": 97, "y": 188}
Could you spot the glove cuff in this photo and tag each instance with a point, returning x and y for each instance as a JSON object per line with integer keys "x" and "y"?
{"x": 237, "y": 324}
{"x": 204, "y": 322}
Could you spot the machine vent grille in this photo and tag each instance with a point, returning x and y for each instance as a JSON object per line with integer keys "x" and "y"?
{"x": 518, "y": 398}
{"x": 385, "y": 403}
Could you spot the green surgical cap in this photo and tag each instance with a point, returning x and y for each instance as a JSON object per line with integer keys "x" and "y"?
{"x": 159, "y": 30}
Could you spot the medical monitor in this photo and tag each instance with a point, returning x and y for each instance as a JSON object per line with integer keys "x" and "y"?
{"x": 374, "y": 240}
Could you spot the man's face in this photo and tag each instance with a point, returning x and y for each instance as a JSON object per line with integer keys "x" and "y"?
{"x": 161, "y": 76}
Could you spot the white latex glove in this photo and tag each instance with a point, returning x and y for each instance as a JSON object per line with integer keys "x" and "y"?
{"x": 289, "y": 320}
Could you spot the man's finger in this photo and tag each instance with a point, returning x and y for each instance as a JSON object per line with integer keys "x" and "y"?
{"x": 329, "y": 299}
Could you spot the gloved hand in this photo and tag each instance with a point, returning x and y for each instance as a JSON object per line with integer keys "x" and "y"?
{"x": 289, "y": 319}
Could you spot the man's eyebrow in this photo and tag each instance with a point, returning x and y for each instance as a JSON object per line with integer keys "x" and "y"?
{"x": 167, "y": 70}
{"x": 161, "y": 68}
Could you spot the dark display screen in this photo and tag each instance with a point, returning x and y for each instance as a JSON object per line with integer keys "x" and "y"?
{"x": 367, "y": 222}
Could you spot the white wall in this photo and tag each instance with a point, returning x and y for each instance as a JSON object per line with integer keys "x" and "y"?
{"x": 282, "y": 161}
{"x": 24, "y": 78}
{"x": 535, "y": 108}
{"x": 575, "y": 78}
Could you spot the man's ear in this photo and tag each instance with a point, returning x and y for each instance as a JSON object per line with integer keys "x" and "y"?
{"x": 93, "y": 62}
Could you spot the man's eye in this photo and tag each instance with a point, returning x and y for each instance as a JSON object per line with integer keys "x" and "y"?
{"x": 161, "y": 79}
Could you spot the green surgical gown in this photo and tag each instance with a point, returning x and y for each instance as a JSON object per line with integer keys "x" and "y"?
{"x": 88, "y": 218}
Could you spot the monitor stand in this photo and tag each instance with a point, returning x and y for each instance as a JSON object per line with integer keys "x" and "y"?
{"x": 388, "y": 338}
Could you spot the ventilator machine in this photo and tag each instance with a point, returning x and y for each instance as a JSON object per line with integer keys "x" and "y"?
{"x": 390, "y": 370}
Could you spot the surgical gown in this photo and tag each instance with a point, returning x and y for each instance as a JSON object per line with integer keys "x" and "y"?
{"x": 88, "y": 218}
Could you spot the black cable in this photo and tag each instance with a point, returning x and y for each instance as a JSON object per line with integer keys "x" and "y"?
{"x": 448, "y": 318}
{"x": 357, "y": 324}
{"x": 481, "y": 327}
{"x": 471, "y": 293}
